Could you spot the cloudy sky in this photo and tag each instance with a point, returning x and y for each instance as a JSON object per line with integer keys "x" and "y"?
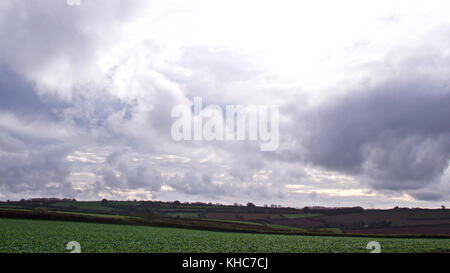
{"x": 86, "y": 93}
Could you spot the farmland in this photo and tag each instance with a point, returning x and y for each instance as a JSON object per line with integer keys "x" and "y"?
{"x": 23, "y": 235}
{"x": 313, "y": 221}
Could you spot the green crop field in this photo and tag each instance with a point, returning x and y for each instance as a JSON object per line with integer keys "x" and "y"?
{"x": 18, "y": 235}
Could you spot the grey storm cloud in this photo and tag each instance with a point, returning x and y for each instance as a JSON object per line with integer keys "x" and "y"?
{"x": 434, "y": 196}
{"x": 18, "y": 95}
{"x": 394, "y": 135}
{"x": 35, "y": 172}
{"x": 55, "y": 29}
{"x": 127, "y": 176}
{"x": 195, "y": 183}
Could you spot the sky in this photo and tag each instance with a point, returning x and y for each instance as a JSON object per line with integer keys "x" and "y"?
{"x": 363, "y": 89}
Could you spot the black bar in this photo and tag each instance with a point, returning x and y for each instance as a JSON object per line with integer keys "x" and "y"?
{"x": 225, "y": 262}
